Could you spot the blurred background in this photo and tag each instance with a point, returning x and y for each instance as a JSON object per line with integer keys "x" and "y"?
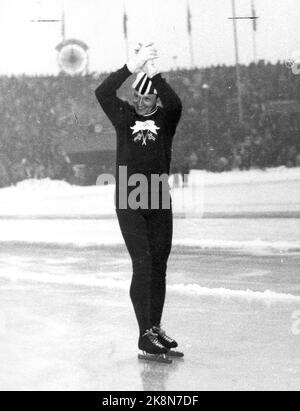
{"x": 238, "y": 80}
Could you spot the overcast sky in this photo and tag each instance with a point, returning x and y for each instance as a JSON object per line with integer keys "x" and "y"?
{"x": 30, "y": 48}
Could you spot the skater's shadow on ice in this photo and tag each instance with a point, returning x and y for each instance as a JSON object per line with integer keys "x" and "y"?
{"x": 154, "y": 376}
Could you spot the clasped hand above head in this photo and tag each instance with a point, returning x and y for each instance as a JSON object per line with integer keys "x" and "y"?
{"x": 144, "y": 60}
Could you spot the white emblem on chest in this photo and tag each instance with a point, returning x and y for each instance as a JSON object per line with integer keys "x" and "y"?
{"x": 145, "y": 131}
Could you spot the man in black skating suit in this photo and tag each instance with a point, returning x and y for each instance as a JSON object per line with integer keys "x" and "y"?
{"x": 145, "y": 130}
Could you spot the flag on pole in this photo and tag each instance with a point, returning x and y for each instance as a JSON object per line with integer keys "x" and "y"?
{"x": 63, "y": 23}
{"x": 125, "y": 19}
{"x": 254, "y": 16}
{"x": 189, "y": 19}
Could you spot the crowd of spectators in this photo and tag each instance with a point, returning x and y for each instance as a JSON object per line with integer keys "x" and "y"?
{"x": 44, "y": 119}
{"x": 211, "y": 135}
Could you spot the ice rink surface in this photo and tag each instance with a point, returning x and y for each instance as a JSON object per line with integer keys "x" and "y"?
{"x": 66, "y": 321}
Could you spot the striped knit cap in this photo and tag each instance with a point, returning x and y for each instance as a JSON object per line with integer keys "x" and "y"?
{"x": 143, "y": 85}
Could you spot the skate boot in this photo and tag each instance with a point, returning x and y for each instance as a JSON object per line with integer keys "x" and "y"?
{"x": 167, "y": 342}
{"x": 152, "y": 349}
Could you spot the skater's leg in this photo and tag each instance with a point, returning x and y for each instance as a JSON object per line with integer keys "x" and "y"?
{"x": 134, "y": 230}
{"x": 160, "y": 229}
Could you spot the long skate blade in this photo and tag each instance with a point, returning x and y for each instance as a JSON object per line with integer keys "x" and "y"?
{"x": 155, "y": 358}
{"x": 175, "y": 354}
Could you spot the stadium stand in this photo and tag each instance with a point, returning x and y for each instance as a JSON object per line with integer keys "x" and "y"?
{"x": 53, "y": 127}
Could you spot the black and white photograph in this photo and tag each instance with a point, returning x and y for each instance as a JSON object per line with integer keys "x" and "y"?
{"x": 149, "y": 198}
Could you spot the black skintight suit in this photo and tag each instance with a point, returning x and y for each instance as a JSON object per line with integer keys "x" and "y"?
{"x": 144, "y": 146}
{"x": 148, "y": 237}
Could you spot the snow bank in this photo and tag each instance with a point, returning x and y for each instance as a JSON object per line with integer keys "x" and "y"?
{"x": 49, "y": 198}
{"x": 274, "y": 192}
{"x": 233, "y": 193}
{"x": 272, "y": 175}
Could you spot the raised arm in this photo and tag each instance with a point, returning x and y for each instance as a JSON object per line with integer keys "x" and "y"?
{"x": 106, "y": 94}
{"x": 171, "y": 102}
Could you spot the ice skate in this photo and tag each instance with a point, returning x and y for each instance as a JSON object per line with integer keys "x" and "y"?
{"x": 152, "y": 349}
{"x": 175, "y": 354}
{"x": 167, "y": 342}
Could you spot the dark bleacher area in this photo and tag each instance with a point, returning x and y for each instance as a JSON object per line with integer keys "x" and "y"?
{"x": 53, "y": 126}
